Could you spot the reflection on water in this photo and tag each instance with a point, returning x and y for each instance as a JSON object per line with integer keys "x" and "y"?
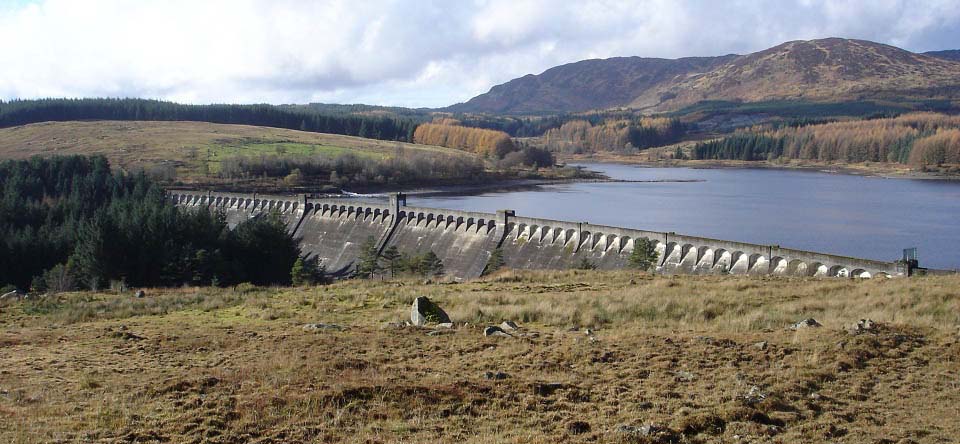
{"x": 849, "y": 215}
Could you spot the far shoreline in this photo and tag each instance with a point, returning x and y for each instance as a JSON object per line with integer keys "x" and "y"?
{"x": 865, "y": 170}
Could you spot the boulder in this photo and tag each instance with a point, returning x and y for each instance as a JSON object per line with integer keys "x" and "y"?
{"x": 863, "y": 326}
{"x": 508, "y": 325}
{"x": 495, "y": 331}
{"x": 424, "y": 311}
{"x": 806, "y": 323}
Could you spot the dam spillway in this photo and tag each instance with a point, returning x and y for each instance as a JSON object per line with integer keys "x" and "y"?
{"x": 334, "y": 230}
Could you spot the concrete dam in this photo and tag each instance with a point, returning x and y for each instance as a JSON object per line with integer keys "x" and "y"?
{"x": 334, "y": 230}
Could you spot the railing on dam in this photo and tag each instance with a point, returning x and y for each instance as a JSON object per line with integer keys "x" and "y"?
{"x": 526, "y": 242}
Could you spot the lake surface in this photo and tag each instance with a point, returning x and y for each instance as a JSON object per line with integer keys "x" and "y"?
{"x": 858, "y": 216}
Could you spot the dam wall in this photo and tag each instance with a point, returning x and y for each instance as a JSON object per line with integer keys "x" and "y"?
{"x": 334, "y": 230}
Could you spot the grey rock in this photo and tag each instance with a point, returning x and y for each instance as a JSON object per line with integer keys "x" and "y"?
{"x": 863, "y": 326}
{"x": 685, "y": 376}
{"x": 140, "y": 294}
{"x": 424, "y": 311}
{"x": 438, "y": 332}
{"x": 508, "y": 325}
{"x": 754, "y": 396}
{"x": 495, "y": 331}
{"x": 649, "y": 433}
{"x": 321, "y": 326}
{"x": 762, "y": 345}
{"x": 806, "y": 323}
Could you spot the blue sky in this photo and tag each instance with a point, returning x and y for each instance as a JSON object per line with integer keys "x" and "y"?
{"x": 396, "y": 52}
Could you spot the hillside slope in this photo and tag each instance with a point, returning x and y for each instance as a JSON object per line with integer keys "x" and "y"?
{"x": 192, "y": 148}
{"x": 585, "y": 85}
{"x": 831, "y": 69}
{"x": 828, "y": 69}
{"x": 949, "y": 54}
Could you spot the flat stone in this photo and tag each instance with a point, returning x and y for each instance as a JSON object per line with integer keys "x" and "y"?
{"x": 321, "y": 326}
{"x": 806, "y": 323}
{"x": 445, "y": 325}
{"x": 508, "y": 325}
{"x": 495, "y": 331}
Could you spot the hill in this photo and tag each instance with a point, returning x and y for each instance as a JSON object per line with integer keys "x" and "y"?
{"x": 701, "y": 359}
{"x": 192, "y": 150}
{"x": 949, "y": 54}
{"x": 826, "y": 70}
{"x": 585, "y": 85}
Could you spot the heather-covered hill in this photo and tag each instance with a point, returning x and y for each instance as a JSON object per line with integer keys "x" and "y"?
{"x": 825, "y": 70}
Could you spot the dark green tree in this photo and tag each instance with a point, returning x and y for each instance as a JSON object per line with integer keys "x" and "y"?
{"x": 368, "y": 263}
{"x": 585, "y": 264}
{"x": 431, "y": 265}
{"x": 393, "y": 260}
{"x": 495, "y": 262}
{"x": 644, "y": 254}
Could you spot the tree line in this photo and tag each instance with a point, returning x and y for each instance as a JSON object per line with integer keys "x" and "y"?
{"x": 918, "y": 139}
{"x": 449, "y": 133}
{"x": 352, "y": 170}
{"x": 69, "y": 223}
{"x": 304, "y": 118}
{"x": 619, "y": 135}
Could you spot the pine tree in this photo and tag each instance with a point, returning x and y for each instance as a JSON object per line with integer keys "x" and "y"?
{"x": 644, "y": 254}
{"x": 369, "y": 261}
{"x": 495, "y": 262}
{"x": 299, "y": 275}
{"x": 431, "y": 265}
{"x": 392, "y": 257}
{"x": 585, "y": 264}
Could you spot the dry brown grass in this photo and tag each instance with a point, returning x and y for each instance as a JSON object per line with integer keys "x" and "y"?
{"x": 234, "y": 365}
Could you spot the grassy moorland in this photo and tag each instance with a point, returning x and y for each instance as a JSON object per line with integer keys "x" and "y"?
{"x": 194, "y": 149}
{"x": 703, "y": 359}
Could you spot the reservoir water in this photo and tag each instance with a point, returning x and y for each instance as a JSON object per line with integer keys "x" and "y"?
{"x": 859, "y": 216}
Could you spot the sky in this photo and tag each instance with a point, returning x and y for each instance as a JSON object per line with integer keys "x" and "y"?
{"x": 414, "y": 53}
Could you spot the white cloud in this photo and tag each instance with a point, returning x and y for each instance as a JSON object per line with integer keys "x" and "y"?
{"x": 413, "y": 53}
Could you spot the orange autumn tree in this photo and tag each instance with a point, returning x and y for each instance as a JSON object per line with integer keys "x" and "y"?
{"x": 485, "y": 142}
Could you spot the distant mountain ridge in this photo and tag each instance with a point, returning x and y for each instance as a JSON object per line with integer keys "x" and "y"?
{"x": 948, "y": 54}
{"x": 817, "y": 70}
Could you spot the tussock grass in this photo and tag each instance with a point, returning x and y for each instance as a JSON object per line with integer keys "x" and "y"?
{"x": 234, "y": 365}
